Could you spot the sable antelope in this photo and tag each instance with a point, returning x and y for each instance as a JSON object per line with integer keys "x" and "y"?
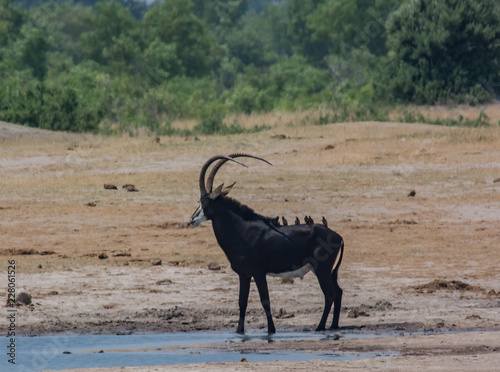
{"x": 256, "y": 247}
{"x": 297, "y": 221}
{"x": 285, "y": 222}
{"x": 324, "y": 221}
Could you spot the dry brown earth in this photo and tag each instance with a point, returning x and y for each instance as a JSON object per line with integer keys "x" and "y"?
{"x": 422, "y": 263}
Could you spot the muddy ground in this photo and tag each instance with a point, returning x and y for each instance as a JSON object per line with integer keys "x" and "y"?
{"x": 100, "y": 261}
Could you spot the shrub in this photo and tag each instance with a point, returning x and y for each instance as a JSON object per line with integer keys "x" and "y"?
{"x": 441, "y": 51}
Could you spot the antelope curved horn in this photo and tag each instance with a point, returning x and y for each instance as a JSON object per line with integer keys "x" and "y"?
{"x": 203, "y": 189}
{"x": 213, "y": 172}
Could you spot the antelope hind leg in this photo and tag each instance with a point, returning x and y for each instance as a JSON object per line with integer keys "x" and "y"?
{"x": 261, "y": 282}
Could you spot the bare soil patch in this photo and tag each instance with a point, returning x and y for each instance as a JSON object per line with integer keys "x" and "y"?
{"x": 423, "y": 263}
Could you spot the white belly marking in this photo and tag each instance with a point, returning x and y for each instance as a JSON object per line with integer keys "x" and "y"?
{"x": 299, "y": 273}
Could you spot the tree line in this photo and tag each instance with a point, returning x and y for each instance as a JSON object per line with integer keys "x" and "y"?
{"x": 113, "y": 65}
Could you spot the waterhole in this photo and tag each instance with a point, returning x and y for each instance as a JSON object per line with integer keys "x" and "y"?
{"x": 90, "y": 351}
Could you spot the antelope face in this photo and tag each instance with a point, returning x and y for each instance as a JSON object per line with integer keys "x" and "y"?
{"x": 198, "y": 216}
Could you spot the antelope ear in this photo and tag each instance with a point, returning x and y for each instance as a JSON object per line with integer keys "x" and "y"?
{"x": 218, "y": 191}
{"x": 226, "y": 190}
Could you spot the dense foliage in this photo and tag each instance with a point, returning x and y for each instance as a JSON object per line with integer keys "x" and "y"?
{"x": 113, "y": 65}
{"x": 443, "y": 50}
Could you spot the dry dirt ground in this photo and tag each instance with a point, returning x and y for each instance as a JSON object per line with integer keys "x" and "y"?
{"x": 427, "y": 262}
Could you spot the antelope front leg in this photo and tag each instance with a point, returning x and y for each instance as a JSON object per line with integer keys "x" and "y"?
{"x": 261, "y": 282}
{"x": 243, "y": 301}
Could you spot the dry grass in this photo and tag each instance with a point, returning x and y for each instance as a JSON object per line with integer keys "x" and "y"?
{"x": 355, "y": 174}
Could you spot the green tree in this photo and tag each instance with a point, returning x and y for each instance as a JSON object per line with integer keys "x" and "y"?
{"x": 160, "y": 62}
{"x": 252, "y": 41}
{"x": 112, "y": 39}
{"x": 441, "y": 51}
{"x": 351, "y": 24}
{"x": 11, "y": 20}
{"x": 225, "y": 13}
{"x": 299, "y": 32}
{"x": 33, "y": 47}
{"x": 174, "y": 22}
{"x": 63, "y": 23}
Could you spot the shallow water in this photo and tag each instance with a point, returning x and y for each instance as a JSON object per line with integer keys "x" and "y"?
{"x": 86, "y": 351}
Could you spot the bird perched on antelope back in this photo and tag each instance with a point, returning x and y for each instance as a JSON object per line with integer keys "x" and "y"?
{"x": 325, "y": 222}
{"x": 285, "y": 222}
{"x": 297, "y": 221}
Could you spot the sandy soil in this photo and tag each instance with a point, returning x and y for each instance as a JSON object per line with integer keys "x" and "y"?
{"x": 427, "y": 262}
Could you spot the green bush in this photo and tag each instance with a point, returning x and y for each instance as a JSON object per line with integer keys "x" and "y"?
{"x": 441, "y": 51}
{"x": 415, "y": 117}
{"x": 211, "y": 122}
{"x": 47, "y": 105}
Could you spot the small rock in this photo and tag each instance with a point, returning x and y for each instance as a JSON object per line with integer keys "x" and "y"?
{"x": 108, "y": 186}
{"x": 287, "y": 281}
{"x": 282, "y": 314}
{"x": 434, "y": 324}
{"x": 383, "y": 306}
{"x": 412, "y": 193}
{"x": 473, "y": 316}
{"x": 53, "y": 293}
{"x": 329, "y": 147}
{"x": 156, "y": 262}
{"x": 102, "y": 256}
{"x": 24, "y": 298}
{"x": 214, "y": 266}
{"x": 131, "y": 188}
{"x": 91, "y": 204}
{"x": 123, "y": 254}
{"x": 496, "y": 180}
{"x": 67, "y": 352}
{"x": 279, "y": 136}
{"x": 243, "y": 360}
{"x": 355, "y": 312}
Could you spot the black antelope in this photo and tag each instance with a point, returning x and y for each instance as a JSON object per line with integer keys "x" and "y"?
{"x": 256, "y": 246}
